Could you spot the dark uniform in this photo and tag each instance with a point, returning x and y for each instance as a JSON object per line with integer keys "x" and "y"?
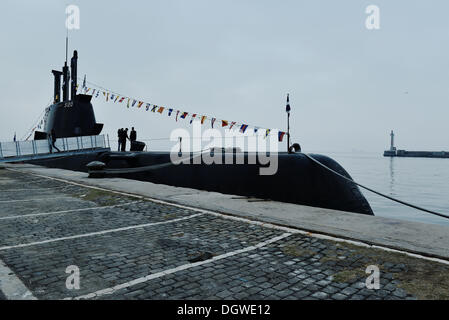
{"x": 53, "y": 140}
{"x": 124, "y": 137}
{"x": 133, "y": 135}
{"x": 119, "y": 135}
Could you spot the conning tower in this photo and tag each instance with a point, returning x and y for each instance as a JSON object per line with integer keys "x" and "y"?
{"x": 74, "y": 115}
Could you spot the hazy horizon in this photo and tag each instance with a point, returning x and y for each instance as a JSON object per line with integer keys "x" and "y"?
{"x": 237, "y": 60}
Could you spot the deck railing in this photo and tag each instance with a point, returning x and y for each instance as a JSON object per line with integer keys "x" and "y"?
{"x": 40, "y": 147}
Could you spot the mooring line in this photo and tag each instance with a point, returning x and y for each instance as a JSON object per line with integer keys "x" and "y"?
{"x": 376, "y": 192}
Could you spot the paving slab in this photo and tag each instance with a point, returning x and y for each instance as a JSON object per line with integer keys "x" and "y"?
{"x": 426, "y": 239}
{"x": 129, "y": 247}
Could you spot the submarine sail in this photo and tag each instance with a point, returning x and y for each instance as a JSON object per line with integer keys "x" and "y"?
{"x": 73, "y": 116}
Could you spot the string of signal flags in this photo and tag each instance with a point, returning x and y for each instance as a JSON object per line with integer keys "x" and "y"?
{"x": 110, "y": 96}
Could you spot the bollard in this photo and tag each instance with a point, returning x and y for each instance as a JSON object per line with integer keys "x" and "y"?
{"x": 96, "y": 169}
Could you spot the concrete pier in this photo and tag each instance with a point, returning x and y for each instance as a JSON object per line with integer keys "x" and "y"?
{"x": 416, "y": 154}
{"x": 138, "y": 240}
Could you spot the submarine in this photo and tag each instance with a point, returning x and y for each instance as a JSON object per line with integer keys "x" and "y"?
{"x": 297, "y": 180}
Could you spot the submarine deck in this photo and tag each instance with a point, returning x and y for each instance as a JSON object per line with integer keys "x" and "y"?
{"x": 138, "y": 240}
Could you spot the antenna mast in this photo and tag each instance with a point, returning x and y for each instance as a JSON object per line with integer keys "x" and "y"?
{"x": 287, "y": 109}
{"x": 66, "y": 44}
{"x": 65, "y": 72}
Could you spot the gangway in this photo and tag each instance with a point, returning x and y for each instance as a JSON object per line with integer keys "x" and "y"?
{"x": 18, "y": 151}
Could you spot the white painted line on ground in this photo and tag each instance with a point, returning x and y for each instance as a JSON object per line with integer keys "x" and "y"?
{"x": 11, "y": 286}
{"x": 255, "y": 222}
{"x": 65, "y": 211}
{"x": 180, "y": 268}
{"x": 33, "y": 189}
{"x": 18, "y": 180}
{"x": 228, "y": 216}
{"x": 28, "y": 200}
{"x": 98, "y": 233}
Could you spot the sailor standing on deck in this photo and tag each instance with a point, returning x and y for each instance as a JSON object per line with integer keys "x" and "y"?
{"x": 53, "y": 140}
{"x": 132, "y": 136}
{"x": 124, "y": 137}
{"x": 119, "y": 135}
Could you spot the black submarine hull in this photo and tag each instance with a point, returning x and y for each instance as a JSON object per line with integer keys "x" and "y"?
{"x": 297, "y": 180}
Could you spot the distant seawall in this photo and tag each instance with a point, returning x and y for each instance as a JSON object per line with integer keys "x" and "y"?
{"x": 416, "y": 154}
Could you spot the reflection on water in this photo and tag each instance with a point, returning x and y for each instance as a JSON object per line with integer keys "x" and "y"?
{"x": 392, "y": 176}
{"x": 419, "y": 181}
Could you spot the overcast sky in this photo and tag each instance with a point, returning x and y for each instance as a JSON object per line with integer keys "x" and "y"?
{"x": 236, "y": 60}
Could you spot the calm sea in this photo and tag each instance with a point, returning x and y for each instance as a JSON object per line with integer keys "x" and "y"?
{"x": 420, "y": 181}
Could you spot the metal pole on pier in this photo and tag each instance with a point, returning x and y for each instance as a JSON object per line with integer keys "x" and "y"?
{"x": 287, "y": 109}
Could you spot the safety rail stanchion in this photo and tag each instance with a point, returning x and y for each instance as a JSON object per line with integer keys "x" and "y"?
{"x": 38, "y": 147}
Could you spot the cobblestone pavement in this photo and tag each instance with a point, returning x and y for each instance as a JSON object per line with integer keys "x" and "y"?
{"x": 129, "y": 248}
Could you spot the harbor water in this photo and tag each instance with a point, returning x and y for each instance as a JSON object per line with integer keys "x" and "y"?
{"x": 420, "y": 181}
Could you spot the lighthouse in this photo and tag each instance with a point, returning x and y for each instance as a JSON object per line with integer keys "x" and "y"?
{"x": 392, "y": 147}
